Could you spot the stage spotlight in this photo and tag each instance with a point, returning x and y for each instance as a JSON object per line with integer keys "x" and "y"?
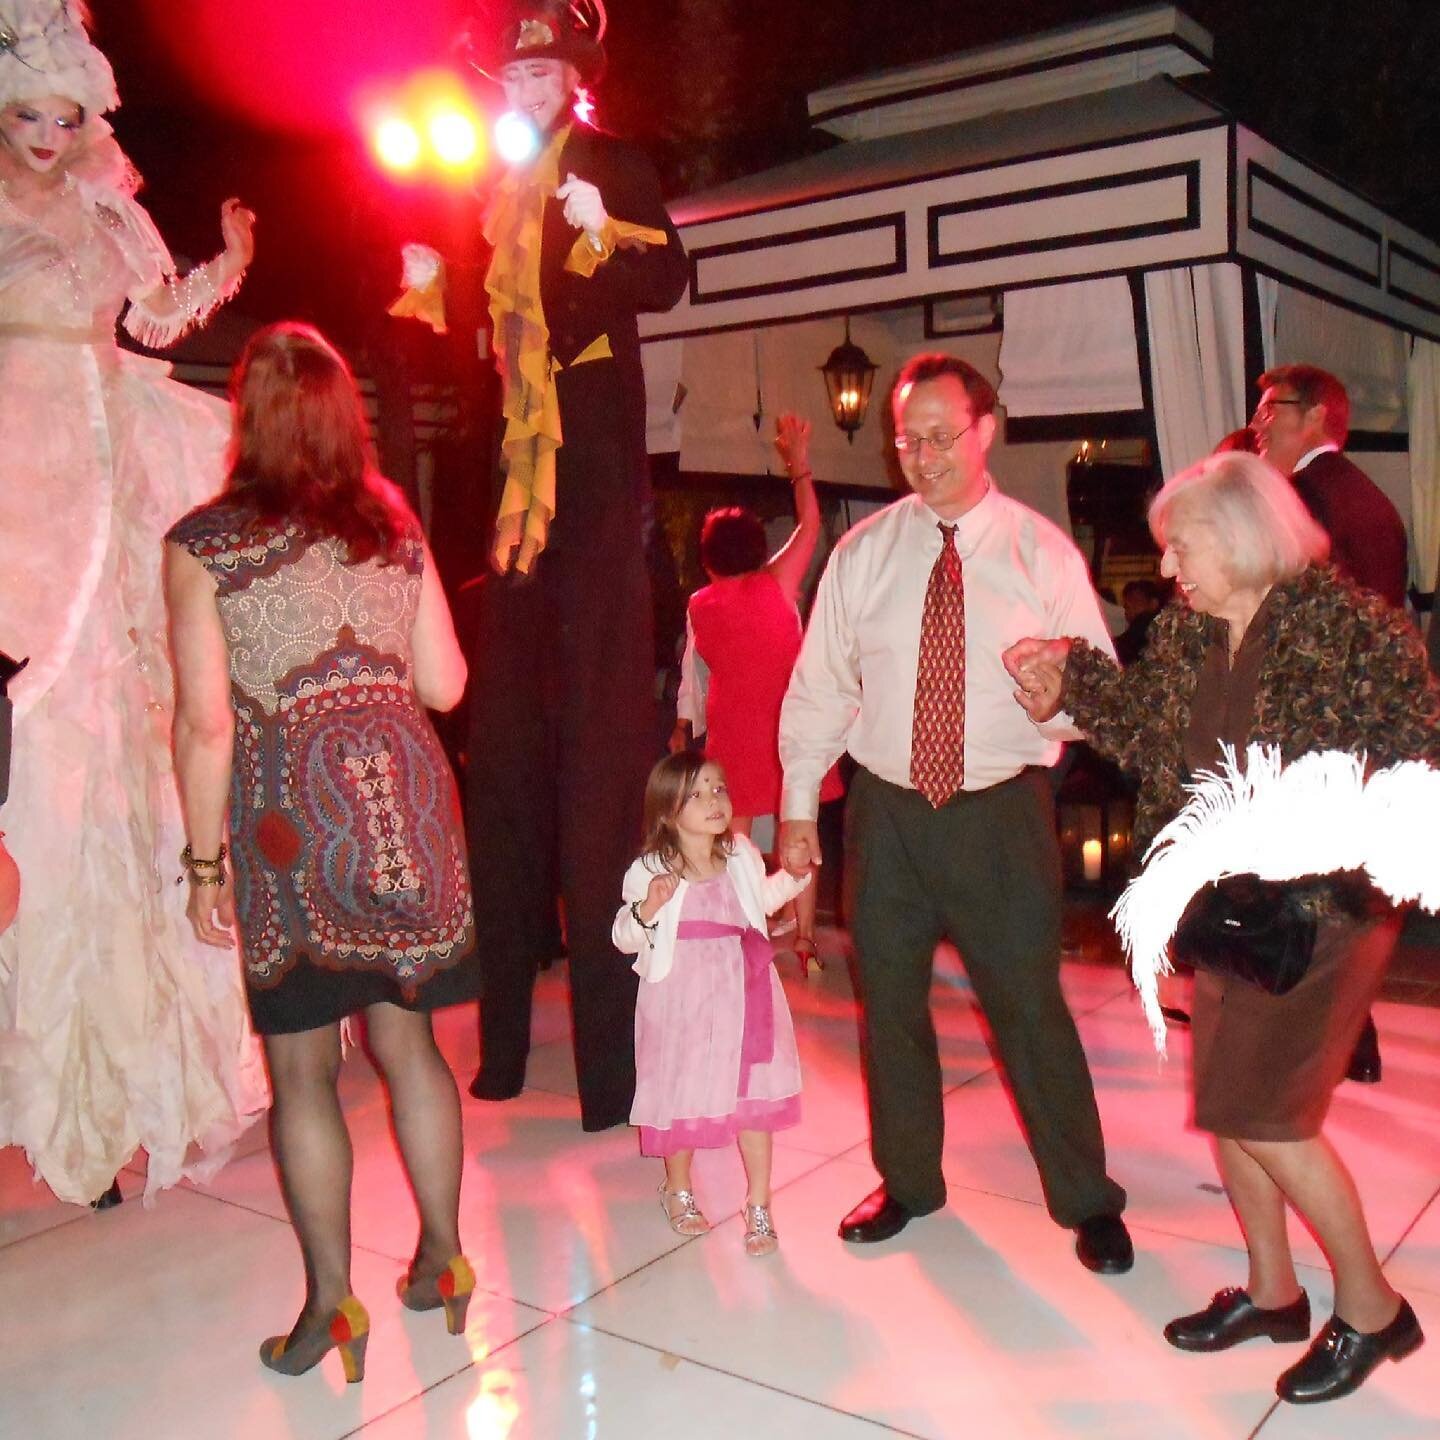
{"x": 454, "y": 138}
{"x": 397, "y": 143}
{"x": 516, "y": 138}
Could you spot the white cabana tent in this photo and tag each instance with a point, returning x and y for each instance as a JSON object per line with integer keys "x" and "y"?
{"x": 1117, "y": 253}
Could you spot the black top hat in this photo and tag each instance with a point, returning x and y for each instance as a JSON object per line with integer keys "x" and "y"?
{"x": 569, "y": 30}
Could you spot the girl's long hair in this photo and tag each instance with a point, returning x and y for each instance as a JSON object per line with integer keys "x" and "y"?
{"x": 300, "y": 450}
{"x": 666, "y": 792}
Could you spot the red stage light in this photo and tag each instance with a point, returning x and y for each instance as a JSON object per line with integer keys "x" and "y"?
{"x": 397, "y": 143}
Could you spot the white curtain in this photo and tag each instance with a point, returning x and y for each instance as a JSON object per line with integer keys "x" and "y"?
{"x": 1269, "y": 293}
{"x": 1423, "y": 385}
{"x": 1070, "y": 350}
{"x": 1195, "y": 319}
{"x": 1368, "y": 356}
{"x": 663, "y": 360}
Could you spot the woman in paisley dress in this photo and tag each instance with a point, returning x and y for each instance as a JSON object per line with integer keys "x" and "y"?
{"x": 117, "y": 1030}
{"x": 309, "y": 631}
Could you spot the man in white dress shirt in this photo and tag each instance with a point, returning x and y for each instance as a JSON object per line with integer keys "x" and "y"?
{"x": 950, "y": 827}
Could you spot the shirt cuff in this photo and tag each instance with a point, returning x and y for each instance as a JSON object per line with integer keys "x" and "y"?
{"x": 800, "y": 804}
{"x": 1060, "y": 726}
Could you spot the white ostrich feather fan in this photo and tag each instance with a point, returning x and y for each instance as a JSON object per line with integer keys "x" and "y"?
{"x": 1280, "y": 822}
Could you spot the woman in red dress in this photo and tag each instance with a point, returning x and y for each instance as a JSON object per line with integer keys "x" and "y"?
{"x": 743, "y": 634}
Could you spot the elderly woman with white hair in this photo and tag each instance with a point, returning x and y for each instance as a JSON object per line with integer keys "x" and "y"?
{"x": 1266, "y": 644}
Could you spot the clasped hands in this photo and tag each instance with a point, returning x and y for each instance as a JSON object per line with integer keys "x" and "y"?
{"x": 1038, "y": 669}
{"x": 798, "y": 847}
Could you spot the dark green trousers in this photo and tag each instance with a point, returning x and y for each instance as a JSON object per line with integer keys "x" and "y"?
{"x": 984, "y": 871}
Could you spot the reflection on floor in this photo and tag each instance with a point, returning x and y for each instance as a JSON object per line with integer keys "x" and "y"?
{"x": 596, "y": 1321}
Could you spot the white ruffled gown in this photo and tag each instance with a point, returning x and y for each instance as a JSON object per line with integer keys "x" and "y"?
{"x": 118, "y": 1030}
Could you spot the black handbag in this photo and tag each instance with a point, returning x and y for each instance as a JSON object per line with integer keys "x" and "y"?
{"x": 1260, "y": 931}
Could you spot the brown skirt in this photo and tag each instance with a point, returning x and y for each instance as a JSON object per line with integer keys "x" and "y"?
{"x": 1265, "y": 1066}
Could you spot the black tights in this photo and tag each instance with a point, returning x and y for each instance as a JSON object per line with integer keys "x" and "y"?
{"x": 312, "y": 1150}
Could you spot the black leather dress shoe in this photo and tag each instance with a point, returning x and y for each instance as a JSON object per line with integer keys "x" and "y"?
{"x": 1232, "y": 1317}
{"x": 876, "y": 1217}
{"x": 485, "y": 1087}
{"x": 1340, "y": 1358}
{"x": 1103, "y": 1244}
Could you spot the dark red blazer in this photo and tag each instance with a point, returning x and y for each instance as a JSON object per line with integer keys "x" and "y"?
{"x": 1367, "y": 535}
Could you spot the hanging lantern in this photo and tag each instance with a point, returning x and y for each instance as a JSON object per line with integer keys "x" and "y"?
{"x": 849, "y": 373}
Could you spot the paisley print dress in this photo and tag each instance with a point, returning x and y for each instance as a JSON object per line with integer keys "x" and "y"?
{"x": 351, "y": 882}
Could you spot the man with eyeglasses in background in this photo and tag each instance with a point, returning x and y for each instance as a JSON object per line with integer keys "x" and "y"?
{"x": 950, "y": 828}
{"x": 1301, "y": 424}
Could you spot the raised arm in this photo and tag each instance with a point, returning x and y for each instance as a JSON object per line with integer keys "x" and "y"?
{"x": 164, "y": 313}
{"x": 791, "y": 561}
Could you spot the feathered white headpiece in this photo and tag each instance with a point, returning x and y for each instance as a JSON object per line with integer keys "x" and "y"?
{"x": 45, "y": 50}
{"x": 1316, "y": 816}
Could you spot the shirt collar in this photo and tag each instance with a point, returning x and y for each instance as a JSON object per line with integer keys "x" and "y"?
{"x": 968, "y": 527}
{"x": 1328, "y": 448}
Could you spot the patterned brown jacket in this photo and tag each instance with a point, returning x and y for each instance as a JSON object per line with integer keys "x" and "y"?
{"x": 1342, "y": 671}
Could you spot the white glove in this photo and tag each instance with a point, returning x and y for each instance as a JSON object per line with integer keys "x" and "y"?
{"x": 584, "y": 209}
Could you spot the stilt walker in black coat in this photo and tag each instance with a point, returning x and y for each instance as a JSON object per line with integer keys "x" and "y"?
{"x": 562, "y": 730}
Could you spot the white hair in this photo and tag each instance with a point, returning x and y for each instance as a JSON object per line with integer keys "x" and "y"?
{"x": 1265, "y": 532}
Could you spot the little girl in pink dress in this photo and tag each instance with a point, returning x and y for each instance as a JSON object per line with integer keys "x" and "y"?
{"x": 715, "y": 1055}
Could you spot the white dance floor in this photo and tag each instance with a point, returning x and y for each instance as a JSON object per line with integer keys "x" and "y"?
{"x": 596, "y": 1321}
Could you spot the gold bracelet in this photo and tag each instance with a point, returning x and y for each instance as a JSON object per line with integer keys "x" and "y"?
{"x": 191, "y": 861}
{"x": 202, "y": 872}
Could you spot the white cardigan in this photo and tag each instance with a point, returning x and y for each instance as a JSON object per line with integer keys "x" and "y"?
{"x": 760, "y": 895}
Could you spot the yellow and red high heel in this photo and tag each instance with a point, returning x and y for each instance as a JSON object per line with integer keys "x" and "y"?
{"x": 348, "y": 1331}
{"x": 452, "y": 1288}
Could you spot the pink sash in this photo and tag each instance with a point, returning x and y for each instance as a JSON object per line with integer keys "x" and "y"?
{"x": 757, "y": 1039}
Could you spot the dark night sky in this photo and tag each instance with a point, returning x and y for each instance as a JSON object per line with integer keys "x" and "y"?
{"x": 713, "y": 87}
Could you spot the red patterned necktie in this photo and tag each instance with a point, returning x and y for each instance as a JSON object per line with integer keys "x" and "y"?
{"x": 937, "y": 738}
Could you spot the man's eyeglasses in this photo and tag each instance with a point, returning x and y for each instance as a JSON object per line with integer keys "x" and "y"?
{"x": 1267, "y": 408}
{"x": 940, "y": 441}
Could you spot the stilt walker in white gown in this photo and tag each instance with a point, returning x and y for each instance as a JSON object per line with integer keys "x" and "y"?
{"x": 118, "y": 1031}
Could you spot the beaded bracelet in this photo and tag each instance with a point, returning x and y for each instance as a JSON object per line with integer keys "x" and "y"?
{"x": 203, "y": 872}
{"x": 649, "y": 926}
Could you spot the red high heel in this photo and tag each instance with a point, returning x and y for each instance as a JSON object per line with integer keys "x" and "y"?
{"x": 348, "y": 1332}
{"x": 807, "y": 955}
{"x": 452, "y": 1288}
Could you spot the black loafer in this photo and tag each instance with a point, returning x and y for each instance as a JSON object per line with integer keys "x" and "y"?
{"x": 1340, "y": 1358}
{"x": 1103, "y": 1244}
{"x": 1232, "y": 1317}
{"x": 487, "y": 1087}
{"x": 877, "y": 1217}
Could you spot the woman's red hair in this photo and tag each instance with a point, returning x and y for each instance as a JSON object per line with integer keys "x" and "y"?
{"x": 301, "y": 447}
